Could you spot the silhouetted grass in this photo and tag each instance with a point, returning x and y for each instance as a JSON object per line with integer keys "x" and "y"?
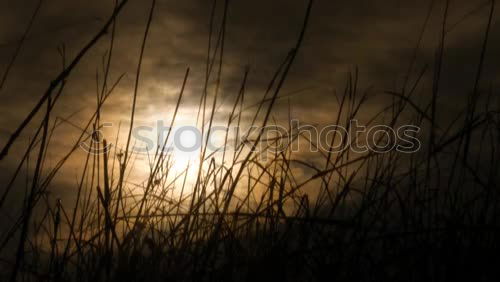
{"x": 427, "y": 216}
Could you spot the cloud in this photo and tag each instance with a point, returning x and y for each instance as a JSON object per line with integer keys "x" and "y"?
{"x": 377, "y": 37}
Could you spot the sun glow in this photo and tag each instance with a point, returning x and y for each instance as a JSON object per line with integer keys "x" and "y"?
{"x": 185, "y": 155}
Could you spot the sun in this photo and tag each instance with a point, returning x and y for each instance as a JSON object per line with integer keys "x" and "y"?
{"x": 185, "y": 150}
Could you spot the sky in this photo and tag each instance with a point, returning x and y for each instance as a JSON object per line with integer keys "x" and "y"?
{"x": 378, "y": 38}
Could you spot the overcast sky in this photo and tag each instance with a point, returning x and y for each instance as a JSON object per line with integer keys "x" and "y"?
{"x": 377, "y": 37}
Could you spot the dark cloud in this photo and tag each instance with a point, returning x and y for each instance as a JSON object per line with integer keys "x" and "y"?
{"x": 377, "y": 37}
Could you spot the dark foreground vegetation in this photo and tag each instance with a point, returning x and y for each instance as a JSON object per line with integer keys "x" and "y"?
{"x": 433, "y": 215}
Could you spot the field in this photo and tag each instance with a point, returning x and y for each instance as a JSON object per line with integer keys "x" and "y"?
{"x": 264, "y": 205}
